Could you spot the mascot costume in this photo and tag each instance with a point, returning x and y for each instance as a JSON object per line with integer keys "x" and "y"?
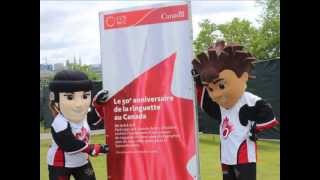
{"x": 70, "y": 98}
{"x": 221, "y": 77}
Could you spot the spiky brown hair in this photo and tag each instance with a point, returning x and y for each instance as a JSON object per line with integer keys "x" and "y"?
{"x": 233, "y": 57}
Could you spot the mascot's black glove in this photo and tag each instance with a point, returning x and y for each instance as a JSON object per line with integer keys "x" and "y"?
{"x": 246, "y": 113}
{"x": 261, "y": 112}
{"x": 96, "y": 149}
{"x": 195, "y": 74}
{"x": 102, "y": 97}
{"x": 104, "y": 148}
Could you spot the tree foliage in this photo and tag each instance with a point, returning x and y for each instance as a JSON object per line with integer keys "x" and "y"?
{"x": 83, "y": 68}
{"x": 262, "y": 41}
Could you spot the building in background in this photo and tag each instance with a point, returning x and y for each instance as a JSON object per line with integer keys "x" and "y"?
{"x": 58, "y": 67}
{"x": 44, "y": 67}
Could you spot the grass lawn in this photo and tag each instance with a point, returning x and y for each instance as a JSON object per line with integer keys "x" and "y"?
{"x": 268, "y": 166}
{"x": 42, "y": 129}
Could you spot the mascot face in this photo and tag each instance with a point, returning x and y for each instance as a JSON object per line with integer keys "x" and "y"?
{"x": 71, "y": 95}
{"x": 227, "y": 88}
{"x": 224, "y": 71}
{"x": 74, "y": 105}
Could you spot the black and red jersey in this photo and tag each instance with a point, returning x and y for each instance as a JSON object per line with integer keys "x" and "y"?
{"x": 69, "y": 140}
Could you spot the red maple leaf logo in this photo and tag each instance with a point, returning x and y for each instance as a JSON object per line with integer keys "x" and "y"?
{"x": 83, "y": 135}
{"x": 227, "y": 127}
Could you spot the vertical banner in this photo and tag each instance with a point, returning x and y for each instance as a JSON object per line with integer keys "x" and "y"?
{"x": 150, "y": 116}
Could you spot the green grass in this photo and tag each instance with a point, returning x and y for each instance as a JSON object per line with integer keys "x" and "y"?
{"x": 268, "y": 166}
{"x": 43, "y": 129}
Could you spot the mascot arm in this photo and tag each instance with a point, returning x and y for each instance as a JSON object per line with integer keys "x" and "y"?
{"x": 261, "y": 114}
{"x": 264, "y": 116}
{"x": 208, "y": 106}
{"x": 99, "y": 101}
{"x": 67, "y": 141}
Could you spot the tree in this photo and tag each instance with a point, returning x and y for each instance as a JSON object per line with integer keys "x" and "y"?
{"x": 267, "y": 43}
{"x": 263, "y": 42}
{"x": 67, "y": 63}
{"x": 83, "y": 68}
{"x": 206, "y": 36}
{"x": 239, "y": 31}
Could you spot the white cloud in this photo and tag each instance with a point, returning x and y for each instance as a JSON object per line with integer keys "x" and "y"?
{"x": 71, "y": 28}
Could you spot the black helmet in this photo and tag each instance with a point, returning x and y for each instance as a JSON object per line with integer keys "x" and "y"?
{"x": 68, "y": 81}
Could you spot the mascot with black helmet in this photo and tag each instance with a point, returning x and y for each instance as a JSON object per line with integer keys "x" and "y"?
{"x": 70, "y": 98}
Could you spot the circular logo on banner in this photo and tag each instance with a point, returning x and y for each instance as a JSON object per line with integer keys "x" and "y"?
{"x": 110, "y": 21}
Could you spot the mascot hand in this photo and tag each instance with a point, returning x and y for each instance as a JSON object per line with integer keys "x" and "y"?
{"x": 259, "y": 113}
{"x": 104, "y": 148}
{"x": 102, "y": 96}
{"x": 246, "y": 114}
{"x": 96, "y": 149}
{"x": 195, "y": 75}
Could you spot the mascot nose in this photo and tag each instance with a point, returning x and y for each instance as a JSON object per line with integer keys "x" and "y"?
{"x": 217, "y": 94}
{"x": 78, "y": 103}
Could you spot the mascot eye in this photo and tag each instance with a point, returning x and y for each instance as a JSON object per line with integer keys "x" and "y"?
{"x": 210, "y": 89}
{"x": 86, "y": 95}
{"x": 221, "y": 86}
{"x": 69, "y": 97}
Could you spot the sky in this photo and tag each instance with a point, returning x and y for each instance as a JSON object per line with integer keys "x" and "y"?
{"x": 70, "y": 29}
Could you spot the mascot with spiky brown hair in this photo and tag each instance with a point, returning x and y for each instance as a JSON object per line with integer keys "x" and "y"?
{"x": 221, "y": 77}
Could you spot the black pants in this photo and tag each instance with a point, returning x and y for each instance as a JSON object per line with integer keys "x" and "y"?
{"x": 85, "y": 172}
{"x": 239, "y": 172}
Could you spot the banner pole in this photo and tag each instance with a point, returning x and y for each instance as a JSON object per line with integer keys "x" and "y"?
{"x": 195, "y": 100}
